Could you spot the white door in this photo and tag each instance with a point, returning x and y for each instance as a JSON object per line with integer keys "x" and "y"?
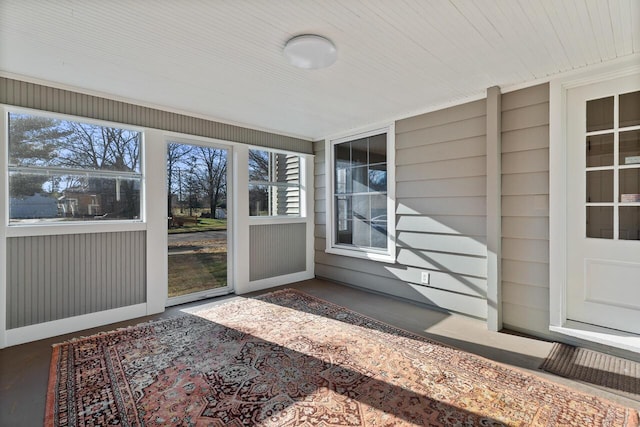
{"x": 603, "y": 204}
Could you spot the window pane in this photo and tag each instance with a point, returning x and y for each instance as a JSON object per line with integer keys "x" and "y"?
{"x": 344, "y": 223}
{"x": 379, "y": 234}
{"x": 343, "y": 154}
{"x": 629, "y": 109}
{"x": 343, "y": 181}
{"x": 600, "y": 222}
{"x": 259, "y": 165}
{"x": 360, "y": 207}
{"x": 630, "y": 222}
{"x": 360, "y": 179}
{"x": 41, "y": 141}
{"x": 359, "y": 152}
{"x": 600, "y": 150}
{"x": 64, "y": 170}
{"x": 600, "y": 114}
{"x": 378, "y": 149}
{"x": 259, "y": 200}
{"x": 630, "y": 185}
{"x": 600, "y": 186}
{"x": 378, "y": 177}
{"x": 630, "y": 148}
{"x": 274, "y": 200}
{"x": 57, "y": 197}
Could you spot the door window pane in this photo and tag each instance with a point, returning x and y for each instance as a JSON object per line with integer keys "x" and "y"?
{"x": 599, "y": 150}
{"x": 197, "y": 228}
{"x": 600, "y": 114}
{"x": 629, "y": 109}
{"x": 630, "y": 222}
{"x": 600, "y": 222}
{"x": 600, "y": 186}
{"x": 630, "y": 185}
{"x": 630, "y": 147}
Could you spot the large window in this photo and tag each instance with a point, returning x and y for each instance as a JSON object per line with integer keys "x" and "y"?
{"x": 361, "y": 212}
{"x": 63, "y": 170}
{"x": 274, "y": 184}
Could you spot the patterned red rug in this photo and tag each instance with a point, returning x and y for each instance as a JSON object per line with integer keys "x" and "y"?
{"x": 290, "y": 359}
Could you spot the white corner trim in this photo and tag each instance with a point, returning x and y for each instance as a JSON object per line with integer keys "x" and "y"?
{"x": 494, "y": 208}
{"x": 73, "y": 324}
{"x": 4, "y": 219}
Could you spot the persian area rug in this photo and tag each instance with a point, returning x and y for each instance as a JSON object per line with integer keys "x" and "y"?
{"x": 619, "y": 375}
{"x": 290, "y": 359}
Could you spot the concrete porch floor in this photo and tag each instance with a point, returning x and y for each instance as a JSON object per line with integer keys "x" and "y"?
{"x": 24, "y": 369}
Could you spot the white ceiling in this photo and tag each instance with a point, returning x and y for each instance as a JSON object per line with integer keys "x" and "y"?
{"x": 223, "y": 59}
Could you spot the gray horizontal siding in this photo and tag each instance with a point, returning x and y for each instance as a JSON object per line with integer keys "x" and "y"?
{"x": 40, "y": 97}
{"x": 276, "y": 250}
{"x": 525, "y": 209}
{"x": 440, "y": 214}
{"x": 55, "y": 277}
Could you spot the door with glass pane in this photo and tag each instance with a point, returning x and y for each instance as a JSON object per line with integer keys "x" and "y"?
{"x": 603, "y": 204}
{"x": 198, "y": 221}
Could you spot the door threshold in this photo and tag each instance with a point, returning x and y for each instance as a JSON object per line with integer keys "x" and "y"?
{"x": 610, "y": 337}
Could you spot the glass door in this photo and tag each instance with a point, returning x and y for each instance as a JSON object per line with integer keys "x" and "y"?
{"x": 198, "y": 222}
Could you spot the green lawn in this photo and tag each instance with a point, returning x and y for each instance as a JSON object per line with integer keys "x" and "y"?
{"x": 196, "y": 271}
{"x": 197, "y": 265}
{"x": 204, "y": 224}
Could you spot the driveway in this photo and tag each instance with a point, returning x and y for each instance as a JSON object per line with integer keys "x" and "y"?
{"x": 197, "y": 236}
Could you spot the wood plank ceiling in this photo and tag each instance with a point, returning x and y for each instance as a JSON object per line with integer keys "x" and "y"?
{"x": 223, "y": 59}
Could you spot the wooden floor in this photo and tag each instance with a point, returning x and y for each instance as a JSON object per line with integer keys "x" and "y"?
{"x": 24, "y": 369}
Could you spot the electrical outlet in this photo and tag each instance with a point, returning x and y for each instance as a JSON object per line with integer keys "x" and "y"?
{"x": 424, "y": 277}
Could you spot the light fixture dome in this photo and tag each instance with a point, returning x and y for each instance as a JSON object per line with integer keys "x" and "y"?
{"x": 310, "y": 51}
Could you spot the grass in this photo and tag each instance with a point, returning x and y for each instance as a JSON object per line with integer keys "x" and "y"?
{"x": 197, "y": 266}
{"x": 204, "y": 224}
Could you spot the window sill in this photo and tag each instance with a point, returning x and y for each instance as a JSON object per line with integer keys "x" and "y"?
{"x": 268, "y": 220}
{"x": 24, "y": 230}
{"x": 355, "y": 253}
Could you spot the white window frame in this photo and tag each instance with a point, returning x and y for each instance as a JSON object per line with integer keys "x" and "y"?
{"x": 388, "y": 255}
{"x": 302, "y": 214}
{"x": 70, "y": 227}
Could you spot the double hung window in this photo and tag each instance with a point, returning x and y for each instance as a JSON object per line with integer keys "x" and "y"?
{"x": 361, "y": 209}
{"x": 274, "y": 184}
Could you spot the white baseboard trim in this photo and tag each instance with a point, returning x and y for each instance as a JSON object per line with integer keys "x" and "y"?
{"x": 270, "y": 282}
{"x": 609, "y": 337}
{"x": 72, "y": 324}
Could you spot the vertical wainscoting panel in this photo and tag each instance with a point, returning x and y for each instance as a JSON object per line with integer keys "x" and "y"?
{"x": 55, "y": 277}
{"x": 276, "y": 250}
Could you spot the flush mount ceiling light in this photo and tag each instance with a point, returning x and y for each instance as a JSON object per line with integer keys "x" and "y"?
{"x": 310, "y": 52}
